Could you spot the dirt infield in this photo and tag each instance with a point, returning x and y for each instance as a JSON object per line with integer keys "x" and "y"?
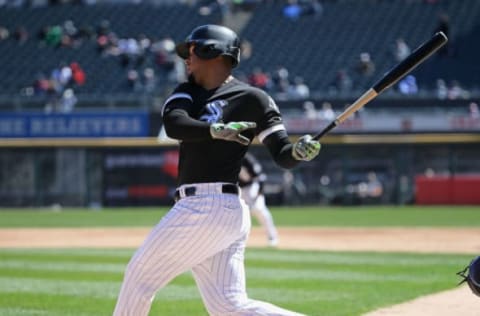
{"x": 427, "y": 240}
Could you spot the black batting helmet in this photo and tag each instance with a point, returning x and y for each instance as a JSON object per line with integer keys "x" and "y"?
{"x": 211, "y": 41}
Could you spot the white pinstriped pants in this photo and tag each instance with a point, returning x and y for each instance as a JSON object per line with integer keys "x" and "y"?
{"x": 206, "y": 233}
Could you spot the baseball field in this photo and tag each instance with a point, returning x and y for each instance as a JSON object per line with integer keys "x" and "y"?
{"x": 330, "y": 261}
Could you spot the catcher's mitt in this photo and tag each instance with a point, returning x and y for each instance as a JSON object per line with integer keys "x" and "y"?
{"x": 471, "y": 275}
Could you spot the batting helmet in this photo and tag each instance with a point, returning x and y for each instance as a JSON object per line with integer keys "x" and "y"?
{"x": 211, "y": 41}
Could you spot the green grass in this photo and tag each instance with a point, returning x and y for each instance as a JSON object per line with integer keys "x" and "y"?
{"x": 79, "y": 282}
{"x": 451, "y": 216}
{"x": 87, "y": 281}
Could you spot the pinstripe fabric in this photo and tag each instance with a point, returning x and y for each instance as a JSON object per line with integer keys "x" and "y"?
{"x": 206, "y": 233}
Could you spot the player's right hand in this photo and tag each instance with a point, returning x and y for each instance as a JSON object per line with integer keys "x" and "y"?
{"x": 231, "y": 131}
{"x": 305, "y": 148}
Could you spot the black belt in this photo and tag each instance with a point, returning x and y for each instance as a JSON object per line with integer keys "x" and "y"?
{"x": 192, "y": 190}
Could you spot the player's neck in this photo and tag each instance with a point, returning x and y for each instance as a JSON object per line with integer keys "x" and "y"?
{"x": 214, "y": 79}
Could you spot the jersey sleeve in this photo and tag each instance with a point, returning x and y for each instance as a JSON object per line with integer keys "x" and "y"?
{"x": 272, "y": 132}
{"x": 177, "y": 117}
{"x": 270, "y": 120}
{"x": 181, "y": 98}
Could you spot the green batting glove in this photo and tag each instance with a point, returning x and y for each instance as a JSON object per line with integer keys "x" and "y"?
{"x": 305, "y": 148}
{"x": 231, "y": 131}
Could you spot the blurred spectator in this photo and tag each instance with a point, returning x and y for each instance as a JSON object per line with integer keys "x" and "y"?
{"x": 441, "y": 89}
{"x": 260, "y": 79}
{"x": 130, "y": 53}
{"x": 70, "y": 34}
{"x": 13, "y": 3}
{"x": 309, "y": 110}
{"x": 326, "y": 112}
{"x": 370, "y": 189}
{"x": 292, "y": 10}
{"x": 473, "y": 109}
{"x": 41, "y": 85}
{"x": 102, "y": 43}
{"x": 313, "y": 7}
{"x": 70, "y": 29}
{"x": 68, "y": 101}
{"x": 133, "y": 81}
{"x": 408, "y": 85}
{"x": 280, "y": 79}
{"x": 86, "y": 32}
{"x": 103, "y": 28}
{"x": 53, "y": 36}
{"x": 64, "y": 103}
{"x": 244, "y": 5}
{"x": 164, "y": 54}
{"x": 21, "y": 34}
{"x": 343, "y": 81}
{"x": 455, "y": 91}
{"x": 298, "y": 90}
{"x": 4, "y": 33}
{"x": 429, "y": 172}
{"x": 144, "y": 42}
{"x": 401, "y": 50}
{"x": 220, "y": 7}
{"x": 78, "y": 75}
{"x": 365, "y": 65}
{"x": 246, "y": 49}
{"x": 149, "y": 80}
{"x": 57, "y": 78}
{"x": 178, "y": 73}
{"x": 65, "y": 75}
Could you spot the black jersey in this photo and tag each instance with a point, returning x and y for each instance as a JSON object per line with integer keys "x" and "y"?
{"x": 204, "y": 159}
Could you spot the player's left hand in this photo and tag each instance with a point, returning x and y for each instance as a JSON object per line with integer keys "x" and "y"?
{"x": 305, "y": 148}
{"x": 231, "y": 131}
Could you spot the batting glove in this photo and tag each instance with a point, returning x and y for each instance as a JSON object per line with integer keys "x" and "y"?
{"x": 231, "y": 131}
{"x": 305, "y": 148}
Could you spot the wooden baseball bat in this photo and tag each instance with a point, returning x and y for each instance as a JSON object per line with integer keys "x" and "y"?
{"x": 390, "y": 78}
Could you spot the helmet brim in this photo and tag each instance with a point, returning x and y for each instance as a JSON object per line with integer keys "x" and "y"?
{"x": 182, "y": 50}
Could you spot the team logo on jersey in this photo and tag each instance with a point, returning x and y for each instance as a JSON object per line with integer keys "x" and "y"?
{"x": 213, "y": 112}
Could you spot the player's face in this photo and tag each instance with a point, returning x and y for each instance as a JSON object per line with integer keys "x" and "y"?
{"x": 194, "y": 63}
{"x": 197, "y": 66}
{"x": 191, "y": 61}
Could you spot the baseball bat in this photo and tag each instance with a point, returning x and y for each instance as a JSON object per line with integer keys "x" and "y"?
{"x": 390, "y": 78}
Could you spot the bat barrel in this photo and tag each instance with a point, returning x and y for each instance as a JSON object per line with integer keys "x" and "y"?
{"x": 412, "y": 61}
{"x": 390, "y": 78}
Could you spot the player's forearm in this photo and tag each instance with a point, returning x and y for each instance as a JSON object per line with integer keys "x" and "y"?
{"x": 281, "y": 150}
{"x": 179, "y": 125}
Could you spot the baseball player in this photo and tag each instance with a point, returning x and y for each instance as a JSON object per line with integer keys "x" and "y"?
{"x": 251, "y": 181}
{"x": 215, "y": 117}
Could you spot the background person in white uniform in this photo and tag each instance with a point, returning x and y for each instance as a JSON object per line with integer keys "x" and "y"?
{"x": 251, "y": 181}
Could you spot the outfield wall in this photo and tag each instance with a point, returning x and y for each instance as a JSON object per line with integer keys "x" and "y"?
{"x": 142, "y": 171}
